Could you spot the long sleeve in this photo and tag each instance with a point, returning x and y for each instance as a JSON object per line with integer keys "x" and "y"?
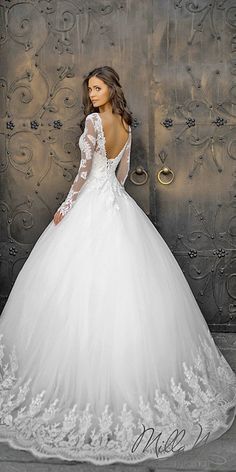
{"x": 87, "y": 142}
{"x": 124, "y": 164}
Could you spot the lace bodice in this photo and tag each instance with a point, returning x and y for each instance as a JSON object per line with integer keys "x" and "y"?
{"x": 94, "y": 163}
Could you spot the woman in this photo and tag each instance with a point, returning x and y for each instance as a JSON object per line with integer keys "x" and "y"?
{"x": 106, "y": 356}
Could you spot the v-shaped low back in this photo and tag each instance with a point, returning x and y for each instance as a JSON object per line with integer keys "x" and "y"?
{"x": 104, "y": 141}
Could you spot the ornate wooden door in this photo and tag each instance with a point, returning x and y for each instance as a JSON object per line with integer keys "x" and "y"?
{"x": 193, "y": 101}
{"x": 176, "y": 62}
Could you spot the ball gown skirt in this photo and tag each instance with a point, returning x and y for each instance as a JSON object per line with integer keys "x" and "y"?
{"x": 108, "y": 342}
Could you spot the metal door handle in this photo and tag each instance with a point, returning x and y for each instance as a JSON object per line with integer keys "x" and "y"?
{"x": 139, "y": 171}
{"x": 165, "y": 171}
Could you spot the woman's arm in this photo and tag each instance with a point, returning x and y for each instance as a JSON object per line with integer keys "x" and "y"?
{"x": 87, "y": 143}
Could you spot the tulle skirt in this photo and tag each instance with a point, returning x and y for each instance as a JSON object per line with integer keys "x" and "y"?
{"x": 105, "y": 355}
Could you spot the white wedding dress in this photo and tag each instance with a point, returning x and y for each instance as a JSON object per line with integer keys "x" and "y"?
{"x": 101, "y": 336}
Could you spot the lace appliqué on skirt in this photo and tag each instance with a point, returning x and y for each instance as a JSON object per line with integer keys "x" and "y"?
{"x": 26, "y": 422}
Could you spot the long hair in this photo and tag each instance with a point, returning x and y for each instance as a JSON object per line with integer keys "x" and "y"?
{"x": 116, "y": 98}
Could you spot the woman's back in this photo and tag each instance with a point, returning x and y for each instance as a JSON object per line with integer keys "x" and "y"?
{"x": 115, "y": 131}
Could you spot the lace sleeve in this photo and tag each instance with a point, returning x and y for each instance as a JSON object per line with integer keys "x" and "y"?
{"x": 124, "y": 164}
{"x": 87, "y": 142}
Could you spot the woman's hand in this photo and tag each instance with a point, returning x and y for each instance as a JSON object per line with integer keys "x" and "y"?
{"x": 57, "y": 217}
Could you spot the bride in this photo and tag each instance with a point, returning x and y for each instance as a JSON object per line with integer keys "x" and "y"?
{"x": 105, "y": 355}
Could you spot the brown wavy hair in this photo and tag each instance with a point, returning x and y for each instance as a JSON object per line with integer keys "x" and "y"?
{"x": 117, "y": 98}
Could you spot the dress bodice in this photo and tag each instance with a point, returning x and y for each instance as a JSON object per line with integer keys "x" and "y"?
{"x": 102, "y": 167}
{"x": 95, "y": 169}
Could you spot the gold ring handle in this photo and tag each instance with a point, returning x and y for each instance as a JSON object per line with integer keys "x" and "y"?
{"x": 165, "y": 171}
{"x": 139, "y": 171}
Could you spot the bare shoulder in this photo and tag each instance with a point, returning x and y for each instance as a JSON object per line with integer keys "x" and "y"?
{"x": 114, "y": 118}
{"x": 125, "y": 124}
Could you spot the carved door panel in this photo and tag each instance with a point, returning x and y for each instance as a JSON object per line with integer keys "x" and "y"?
{"x": 194, "y": 109}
